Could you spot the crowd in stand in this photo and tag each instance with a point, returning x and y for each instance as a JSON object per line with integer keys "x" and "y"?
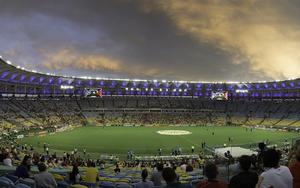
{"x": 267, "y": 170}
{"x": 262, "y": 171}
{"x": 36, "y": 115}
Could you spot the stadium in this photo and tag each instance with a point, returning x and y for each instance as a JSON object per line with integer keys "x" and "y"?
{"x": 109, "y": 118}
{"x": 102, "y": 131}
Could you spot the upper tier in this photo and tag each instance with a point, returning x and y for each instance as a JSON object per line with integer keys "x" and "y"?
{"x": 18, "y": 80}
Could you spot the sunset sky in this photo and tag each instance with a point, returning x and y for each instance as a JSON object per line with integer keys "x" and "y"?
{"x": 200, "y": 40}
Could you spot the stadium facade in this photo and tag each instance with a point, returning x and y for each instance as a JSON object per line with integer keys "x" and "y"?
{"x": 18, "y": 81}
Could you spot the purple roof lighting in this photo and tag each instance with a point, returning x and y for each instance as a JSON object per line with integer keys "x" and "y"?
{"x": 102, "y": 83}
{"x": 59, "y": 81}
{"x": 51, "y": 79}
{"x": 42, "y": 79}
{"x": 22, "y": 78}
{"x": 266, "y": 85}
{"x": 32, "y": 78}
{"x": 13, "y": 76}
{"x": 4, "y": 74}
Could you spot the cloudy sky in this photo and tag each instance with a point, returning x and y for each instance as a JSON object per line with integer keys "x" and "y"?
{"x": 207, "y": 40}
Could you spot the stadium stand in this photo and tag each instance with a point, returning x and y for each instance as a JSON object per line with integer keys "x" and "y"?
{"x": 33, "y": 103}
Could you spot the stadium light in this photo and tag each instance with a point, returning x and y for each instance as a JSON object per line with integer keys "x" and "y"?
{"x": 241, "y": 91}
{"x": 66, "y": 87}
{"x": 160, "y": 89}
{"x": 146, "y": 89}
{"x": 126, "y": 88}
{"x": 151, "y": 89}
{"x": 174, "y": 90}
{"x": 8, "y": 62}
{"x": 132, "y": 89}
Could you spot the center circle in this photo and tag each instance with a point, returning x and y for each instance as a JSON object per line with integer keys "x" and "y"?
{"x": 174, "y": 132}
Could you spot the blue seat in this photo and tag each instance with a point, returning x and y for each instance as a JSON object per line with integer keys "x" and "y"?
{"x": 123, "y": 185}
{"x": 195, "y": 182}
{"x": 107, "y": 185}
{"x": 62, "y": 184}
{"x": 21, "y": 185}
{"x": 89, "y": 185}
{"x": 12, "y": 177}
{"x": 4, "y": 184}
{"x": 27, "y": 181}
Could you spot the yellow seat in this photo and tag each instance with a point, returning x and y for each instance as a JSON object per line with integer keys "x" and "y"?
{"x": 58, "y": 177}
{"x": 78, "y": 186}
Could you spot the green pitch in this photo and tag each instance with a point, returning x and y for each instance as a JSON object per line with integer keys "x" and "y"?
{"x": 146, "y": 140}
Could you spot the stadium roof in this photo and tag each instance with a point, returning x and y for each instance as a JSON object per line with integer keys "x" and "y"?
{"x": 12, "y": 73}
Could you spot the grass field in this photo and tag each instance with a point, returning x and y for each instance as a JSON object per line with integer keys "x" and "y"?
{"x": 146, "y": 140}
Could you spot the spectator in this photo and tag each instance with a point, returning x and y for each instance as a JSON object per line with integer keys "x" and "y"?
{"x": 92, "y": 173}
{"x": 23, "y": 170}
{"x": 156, "y": 177}
{"x": 295, "y": 169}
{"x": 211, "y": 172}
{"x": 117, "y": 169}
{"x": 244, "y": 179}
{"x": 189, "y": 168}
{"x": 74, "y": 175}
{"x": 274, "y": 176}
{"x": 262, "y": 149}
{"x": 144, "y": 183}
{"x": 171, "y": 178}
{"x": 2, "y": 156}
{"x": 183, "y": 166}
{"x": 7, "y": 161}
{"x": 44, "y": 179}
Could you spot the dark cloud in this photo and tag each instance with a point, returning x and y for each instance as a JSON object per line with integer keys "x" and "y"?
{"x": 127, "y": 39}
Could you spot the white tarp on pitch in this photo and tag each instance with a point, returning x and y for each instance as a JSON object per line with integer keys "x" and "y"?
{"x": 235, "y": 151}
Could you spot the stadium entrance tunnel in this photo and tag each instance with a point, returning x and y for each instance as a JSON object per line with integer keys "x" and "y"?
{"x": 174, "y": 132}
